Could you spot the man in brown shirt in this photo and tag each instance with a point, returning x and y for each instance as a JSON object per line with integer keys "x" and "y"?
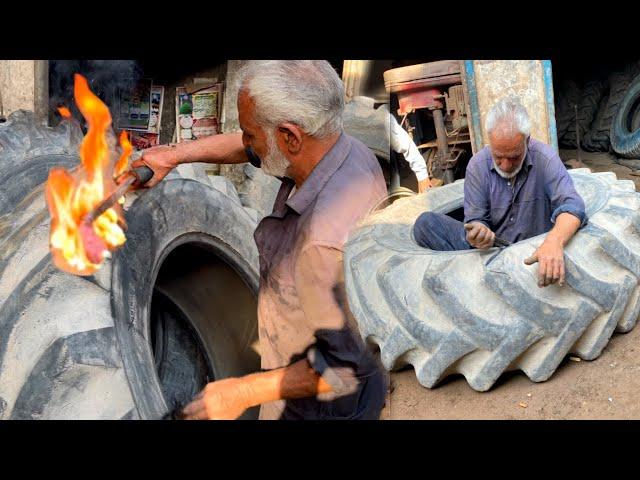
{"x": 315, "y": 365}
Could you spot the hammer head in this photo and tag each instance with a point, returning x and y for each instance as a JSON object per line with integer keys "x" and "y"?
{"x": 499, "y": 242}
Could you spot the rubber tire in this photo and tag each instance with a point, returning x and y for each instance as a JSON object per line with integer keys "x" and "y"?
{"x": 624, "y": 142}
{"x": 568, "y": 96}
{"x": 59, "y": 357}
{"x": 479, "y": 313}
{"x": 207, "y": 217}
{"x": 587, "y": 143}
{"x": 590, "y": 98}
{"x": 258, "y": 191}
{"x": 597, "y": 139}
{"x": 27, "y": 154}
{"x": 63, "y": 341}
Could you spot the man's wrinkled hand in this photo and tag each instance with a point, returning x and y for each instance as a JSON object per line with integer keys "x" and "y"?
{"x": 161, "y": 159}
{"x": 479, "y": 235}
{"x": 222, "y": 400}
{"x": 550, "y": 256}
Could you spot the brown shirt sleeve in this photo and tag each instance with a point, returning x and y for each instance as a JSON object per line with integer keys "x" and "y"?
{"x": 338, "y": 353}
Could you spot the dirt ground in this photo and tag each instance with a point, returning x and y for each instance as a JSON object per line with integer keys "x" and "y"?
{"x": 605, "y": 388}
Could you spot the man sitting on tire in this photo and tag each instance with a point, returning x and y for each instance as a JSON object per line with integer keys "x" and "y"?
{"x": 316, "y": 365}
{"x": 515, "y": 188}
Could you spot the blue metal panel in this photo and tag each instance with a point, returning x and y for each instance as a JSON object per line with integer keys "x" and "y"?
{"x": 551, "y": 110}
{"x": 476, "y": 119}
{"x": 476, "y": 125}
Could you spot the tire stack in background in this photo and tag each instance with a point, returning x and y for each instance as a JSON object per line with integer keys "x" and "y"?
{"x": 607, "y": 116}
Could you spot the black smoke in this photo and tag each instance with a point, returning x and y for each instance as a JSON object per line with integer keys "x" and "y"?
{"x": 105, "y": 77}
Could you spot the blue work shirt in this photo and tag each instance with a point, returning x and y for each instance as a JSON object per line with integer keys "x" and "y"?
{"x": 302, "y": 305}
{"x": 526, "y": 205}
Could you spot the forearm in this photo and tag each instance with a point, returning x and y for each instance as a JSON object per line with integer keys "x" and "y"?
{"x": 224, "y": 148}
{"x": 297, "y": 380}
{"x": 565, "y": 228}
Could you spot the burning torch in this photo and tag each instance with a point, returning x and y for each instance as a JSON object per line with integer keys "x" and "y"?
{"x": 87, "y": 221}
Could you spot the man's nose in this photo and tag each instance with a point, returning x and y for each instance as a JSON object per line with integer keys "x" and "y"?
{"x": 507, "y": 165}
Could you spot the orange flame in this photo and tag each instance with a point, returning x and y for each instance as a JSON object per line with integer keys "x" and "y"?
{"x": 71, "y": 197}
{"x": 123, "y": 162}
{"x": 64, "y": 112}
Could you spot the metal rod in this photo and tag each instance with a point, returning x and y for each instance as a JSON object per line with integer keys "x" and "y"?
{"x": 577, "y": 133}
{"x": 441, "y": 134}
{"x": 499, "y": 242}
{"x": 443, "y": 146}
{"x": 41, "y": 91}
{"x": 463, "y": 139}
{"x": 111, "y": 200}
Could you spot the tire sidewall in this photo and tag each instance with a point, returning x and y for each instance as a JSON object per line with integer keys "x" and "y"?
{"x": 172, "y": 214}
{"x": 622, "y": 140}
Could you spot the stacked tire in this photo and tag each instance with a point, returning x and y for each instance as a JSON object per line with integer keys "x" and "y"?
{"x": 589, "y": 99}
{"x": 567, "y": 98}
{"x": 598, "y": 137}
{"x": 625, "y": 129}
{"x": 74, "y": 347}
{"x": 607, "y": 116}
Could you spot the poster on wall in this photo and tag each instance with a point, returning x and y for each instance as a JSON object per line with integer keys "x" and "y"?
{"x": 184, "y": 115}
{"x": 157, "y": 100}
{"x": 198, "y": 112}
{"x": 134, "y": 106}
{"x": 140, "y": 139}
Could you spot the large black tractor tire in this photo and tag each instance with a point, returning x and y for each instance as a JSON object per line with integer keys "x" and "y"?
{"x": 174, "y": 307}
{"x": 625, "y": 130}
{"x": 481, "y": 313}
{"x": 28, "y": 150}
{"x": 568, "y": 96}
{"x": 590, "y": 98}
{"x": 597, "y": 139}
{"x": 587, "y": 141}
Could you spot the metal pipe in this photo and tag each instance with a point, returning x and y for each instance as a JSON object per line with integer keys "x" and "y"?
{"x": 443, "y": 146}
{"x": 441, "y": 134}
{"x": 394, "y": 173}
{"x": 41, "y": 90}
{"x": 577, "y": 133}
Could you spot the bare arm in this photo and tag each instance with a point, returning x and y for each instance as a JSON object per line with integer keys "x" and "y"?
{"x": 550, "y": 254}
{"x": 318, "y": 270}
{"x": 227, "y": 399}
{"x": 565, "y": 228}
{"x": 222, "y": 149}
{"x": 225, "y": 148}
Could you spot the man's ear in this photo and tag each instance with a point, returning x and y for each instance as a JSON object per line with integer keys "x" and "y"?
{"x": 291, "y": 136}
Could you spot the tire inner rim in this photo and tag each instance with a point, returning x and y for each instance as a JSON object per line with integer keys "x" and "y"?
{"x": 202, "y": 324}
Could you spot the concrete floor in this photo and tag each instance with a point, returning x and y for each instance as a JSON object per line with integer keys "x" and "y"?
{"x": 605, "y": 388}
{"x": 603, "y": 162}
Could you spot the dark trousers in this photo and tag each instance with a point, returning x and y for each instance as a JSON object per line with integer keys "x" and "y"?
{"x": 440, "y": 232}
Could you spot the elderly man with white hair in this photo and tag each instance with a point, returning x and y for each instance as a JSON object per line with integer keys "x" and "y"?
{"x": 515, "y": 188}
{"x": 315, "y": 365}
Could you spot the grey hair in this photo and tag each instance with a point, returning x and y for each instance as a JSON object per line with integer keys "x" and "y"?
{"x": 308, "y": 93}
{"x": 509, "y": 111}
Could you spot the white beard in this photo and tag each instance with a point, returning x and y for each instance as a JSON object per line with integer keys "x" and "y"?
{"x": 504, "y": 174}
{"x": 274, "y": 162}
